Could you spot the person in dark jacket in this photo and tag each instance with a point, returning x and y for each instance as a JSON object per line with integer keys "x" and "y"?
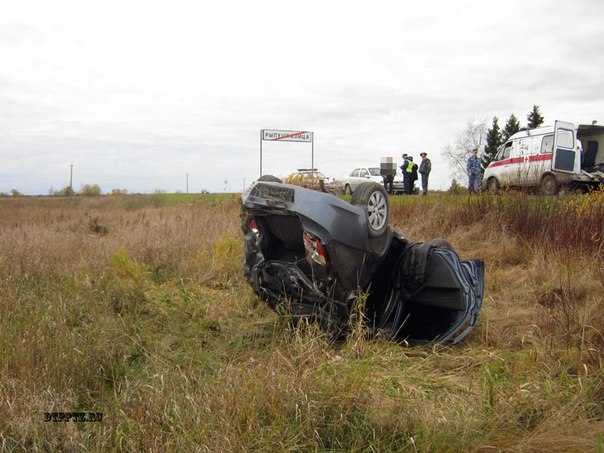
{"x": 425, "y": 167}
{"x": 474, "y": 172}
{"x": 413, "y": 175}
{"x": 389, "y": 183}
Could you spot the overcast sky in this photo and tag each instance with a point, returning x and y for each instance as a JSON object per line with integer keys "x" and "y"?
{"x": 138, "y": 94}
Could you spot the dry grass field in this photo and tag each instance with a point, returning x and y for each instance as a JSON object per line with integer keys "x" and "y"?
{"x": 136, "y": 307}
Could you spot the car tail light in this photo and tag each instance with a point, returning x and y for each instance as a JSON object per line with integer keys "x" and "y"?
{"x": 315, "y": 250}
{"x": 255, "y": 230}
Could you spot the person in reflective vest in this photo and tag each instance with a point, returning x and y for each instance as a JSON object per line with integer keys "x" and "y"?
{"x": 407, "y": 169}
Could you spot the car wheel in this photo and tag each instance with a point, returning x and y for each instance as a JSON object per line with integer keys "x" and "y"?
{"x": 549, "y": 185}
{"x": 347, "y": 190}
{"x": 372, "y": 197}
{"x": 493, "y": 186}
{"x": 269, "y": 178}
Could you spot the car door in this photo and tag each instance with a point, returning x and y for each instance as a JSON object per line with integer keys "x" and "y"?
{"x": 565, "y": 158}
{"x": 363, "y": 176}
{"x": 542, "y": 161}
{"x": 353, "y": 178}
{"x": 504, "y": 171}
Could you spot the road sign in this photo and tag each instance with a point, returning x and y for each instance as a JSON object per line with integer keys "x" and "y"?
{"x": 287, "y": 136}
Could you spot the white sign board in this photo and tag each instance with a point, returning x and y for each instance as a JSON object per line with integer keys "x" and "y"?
{"x": 287, "y": 136}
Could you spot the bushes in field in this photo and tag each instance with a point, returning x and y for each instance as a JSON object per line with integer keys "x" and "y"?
{"x": 557, "y": 223}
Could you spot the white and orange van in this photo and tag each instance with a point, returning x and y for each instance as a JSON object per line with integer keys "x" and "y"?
{"x": 552, "y": 158}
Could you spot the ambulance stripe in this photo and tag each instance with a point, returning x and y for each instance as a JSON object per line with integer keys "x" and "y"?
{"x": 519, "y": 160}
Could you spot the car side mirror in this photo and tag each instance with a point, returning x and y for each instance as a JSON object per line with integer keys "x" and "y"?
{"x": 367, "y": 176}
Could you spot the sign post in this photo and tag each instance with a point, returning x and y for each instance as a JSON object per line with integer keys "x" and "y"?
{"x": 273, "y": 135}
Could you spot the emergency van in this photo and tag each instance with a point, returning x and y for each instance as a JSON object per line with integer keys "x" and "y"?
{"x": 564, "y": 156}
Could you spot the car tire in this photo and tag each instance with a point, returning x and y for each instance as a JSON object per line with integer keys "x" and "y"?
{"x": 269, "y": 178}
{"x": 493, "y": 186}
{"x": 549, "y": 185}
{"x": 372, "y": 197}
{"x": 347, "y": 189}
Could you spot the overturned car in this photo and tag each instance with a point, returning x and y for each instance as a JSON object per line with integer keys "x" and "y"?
{"x": 311, "y": 255}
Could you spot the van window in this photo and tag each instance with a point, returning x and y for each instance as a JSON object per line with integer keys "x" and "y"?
{"x": 506, "y": 150}
{"x": 547, "y": 145}
{"x": 564, "y": 138}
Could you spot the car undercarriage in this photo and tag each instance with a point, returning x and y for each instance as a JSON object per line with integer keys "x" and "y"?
{"x": 311, "y": 255}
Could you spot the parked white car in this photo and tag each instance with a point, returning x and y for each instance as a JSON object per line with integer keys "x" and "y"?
{"x": 361, "y": 175}
{"x": 398, "y": 183}
{"x": 364, "y": 174}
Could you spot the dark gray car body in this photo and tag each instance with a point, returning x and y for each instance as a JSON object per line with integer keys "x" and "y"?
{"x": 419, "y": 292}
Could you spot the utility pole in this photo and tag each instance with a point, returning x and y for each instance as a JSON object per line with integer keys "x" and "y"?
{"x": 187, "y": 183}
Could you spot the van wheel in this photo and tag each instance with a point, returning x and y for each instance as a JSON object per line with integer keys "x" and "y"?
{"x": 493, "y": 186}
{"x": 549, "y": 185}
{"x": 347, "y": 190}
{"x": 269, "y": 178}
{"x": 372, "y": 197}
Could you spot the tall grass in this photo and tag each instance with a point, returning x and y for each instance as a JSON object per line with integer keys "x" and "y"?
{"x": 560, "y": 223}
{"x": 135, "y": 306}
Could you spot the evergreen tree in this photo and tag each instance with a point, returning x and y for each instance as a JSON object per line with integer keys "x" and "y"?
{"x": 511, "y": 127}
{"x": 456, "y": 188}
{"x": 535, "y": 119}
{"x": 494, "y": 141}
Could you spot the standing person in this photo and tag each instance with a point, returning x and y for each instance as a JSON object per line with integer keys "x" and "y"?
{"x": 413, "y": 175}
{"x": 474, "y": 172}
{"x": 424, "y": 169}
{"x": 407, "y": 169}
{"x": 388, "y": 170}
{"x": 389, "y": 183}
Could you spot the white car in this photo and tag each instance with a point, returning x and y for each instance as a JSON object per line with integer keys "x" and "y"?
{"x": 364, "y": 174}
{"x": 361, "y": 175}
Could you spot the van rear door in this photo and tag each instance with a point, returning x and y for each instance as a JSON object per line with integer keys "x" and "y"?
{"x": 565, "y": 156}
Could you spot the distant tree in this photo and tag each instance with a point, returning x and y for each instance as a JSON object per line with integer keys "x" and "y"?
{"x": 472, "y": 137}
{"x": 455, "y": 187}
{"x": 511, "y": 127}
{"x": 15, "y": 193}
{"x": 494, "y": 141}
{"x": 66, "y": 191}
{"x": 90, "y": 190}
{"x": 535, "y": 119}
{"x": 119, "y": 192}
